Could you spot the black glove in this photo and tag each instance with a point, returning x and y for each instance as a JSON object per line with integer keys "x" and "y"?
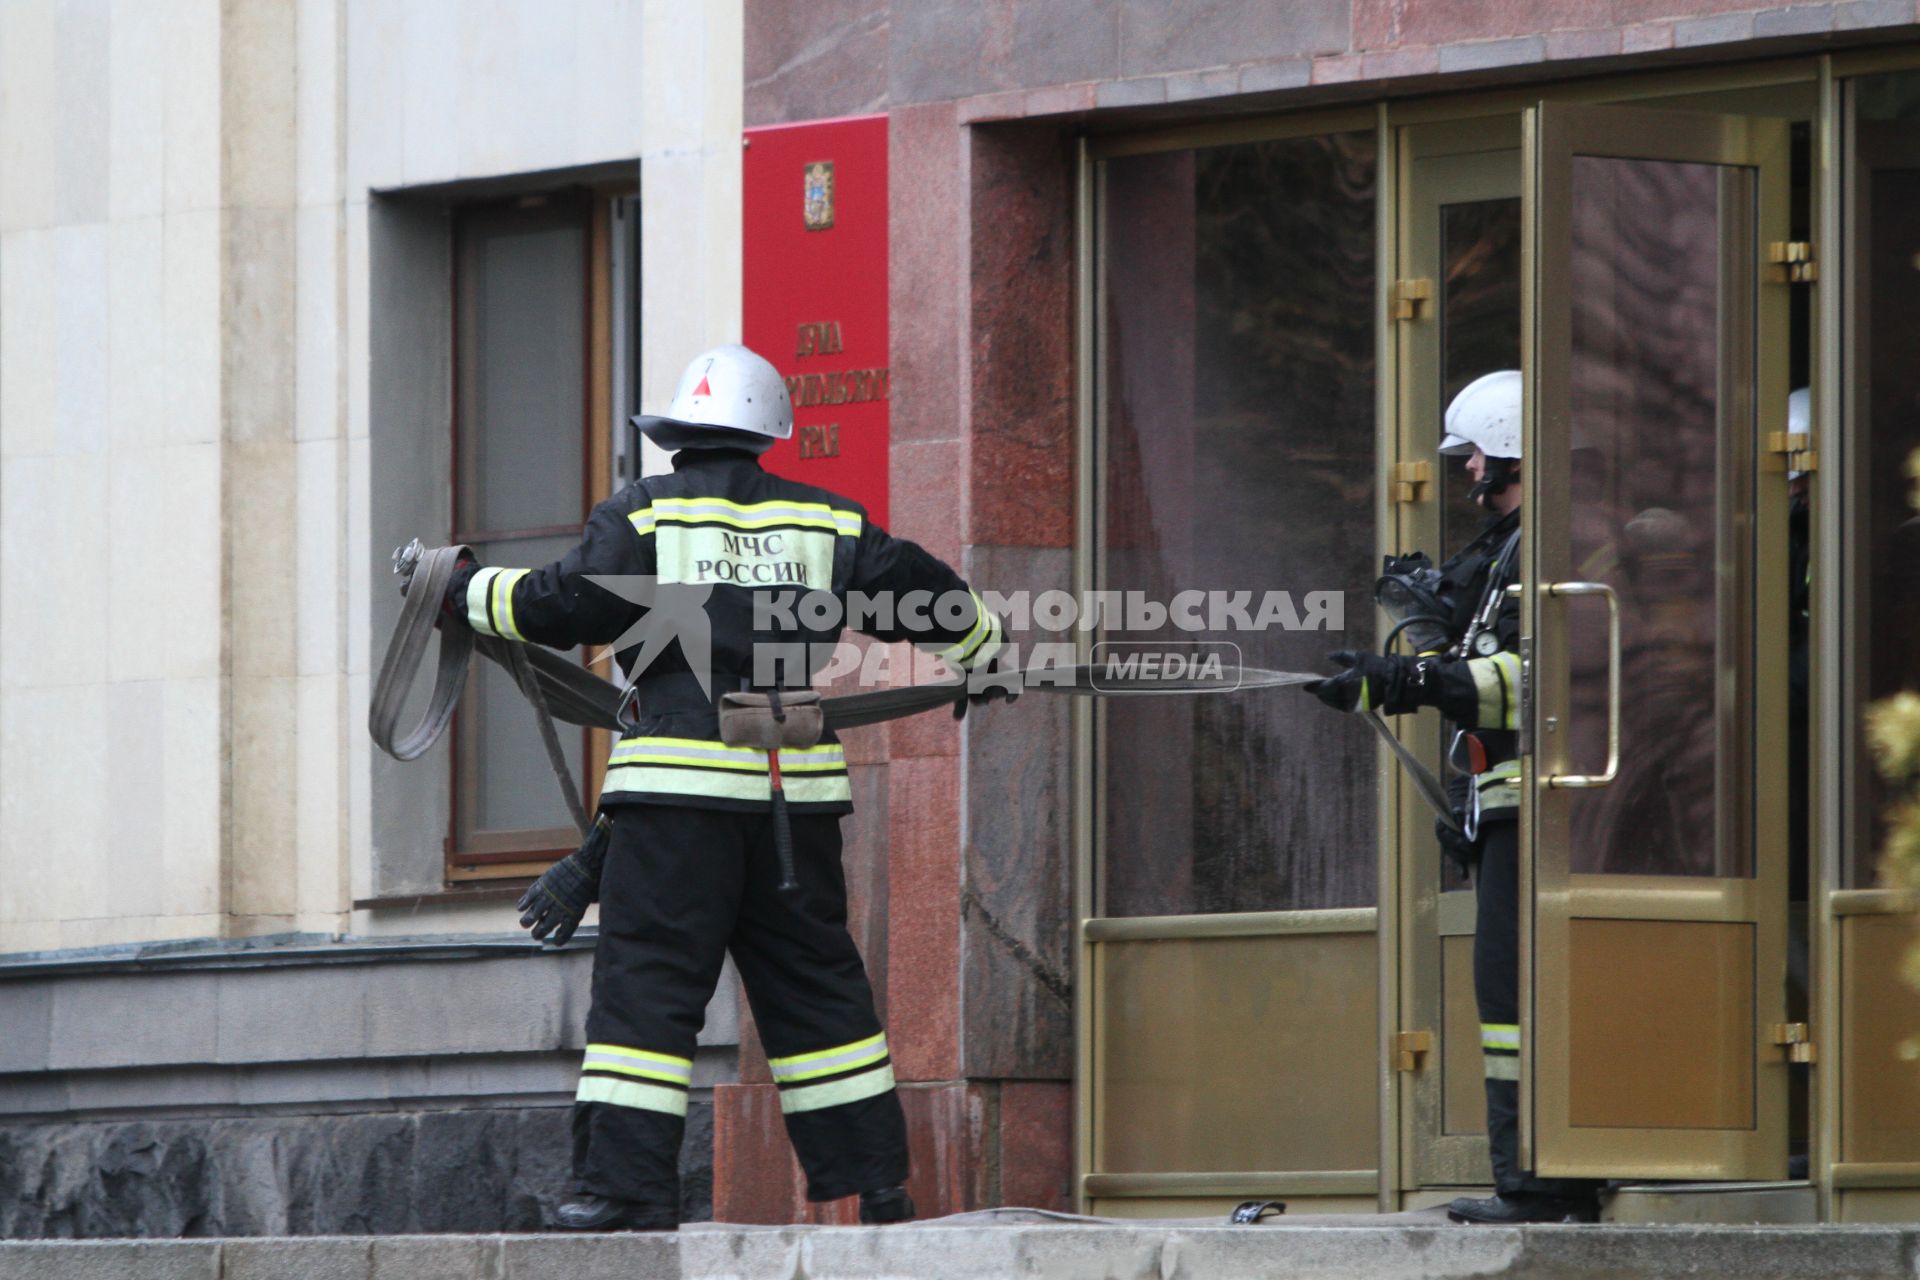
{"x": 1371, "y": 682}
{"x": 1462, "y": 852}
{"x": 987, "y": 686}
{"x": 553, "y": 904}
{"x": 407, "y": 559}
{"x": 1454, "y": 843}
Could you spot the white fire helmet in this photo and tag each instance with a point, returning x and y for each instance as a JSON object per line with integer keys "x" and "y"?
{"x": 1799, "y": 417}
{"x": 728, "y": 398}
{"x": 1485, "y": 415}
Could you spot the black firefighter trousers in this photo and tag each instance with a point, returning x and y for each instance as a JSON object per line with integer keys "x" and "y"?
{"x": 682, "y": 887}
{"x": 1496, "y": 987}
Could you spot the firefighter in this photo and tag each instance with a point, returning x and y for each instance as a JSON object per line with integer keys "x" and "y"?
{"x": 1475, "y": 683}
{"x": 687, "y": 858}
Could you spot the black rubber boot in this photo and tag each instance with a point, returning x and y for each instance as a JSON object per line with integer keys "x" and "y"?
{"x": 588, "y": 1212}
{"x": 891, "y": 1205}
{"x": 1519, "y": 1207}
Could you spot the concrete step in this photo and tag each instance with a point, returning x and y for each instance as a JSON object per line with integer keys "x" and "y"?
{"x": 996, "y": 1246}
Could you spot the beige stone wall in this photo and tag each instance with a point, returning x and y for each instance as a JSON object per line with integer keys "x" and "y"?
{"x": 113, "y": 675}
{"x": 184, "y": 463}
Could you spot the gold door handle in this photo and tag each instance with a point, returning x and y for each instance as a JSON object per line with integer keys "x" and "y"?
{"x": 1590, "y": 780}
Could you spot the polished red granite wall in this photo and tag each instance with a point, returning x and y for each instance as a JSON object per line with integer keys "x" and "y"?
{"x": 971, "y": 948}
{"x": 1012, "y": 58}
{"x": 964, "y": 910}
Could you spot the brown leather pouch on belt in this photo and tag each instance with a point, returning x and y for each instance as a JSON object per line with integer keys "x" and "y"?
{"x": 750, "y": 720}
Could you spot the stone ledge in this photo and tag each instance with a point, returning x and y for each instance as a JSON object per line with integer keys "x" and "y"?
{"x": 355, "y": 1002}
{"x": 1009, "y": 1243}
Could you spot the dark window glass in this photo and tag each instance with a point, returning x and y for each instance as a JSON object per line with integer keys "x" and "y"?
{"x": 1480, "y": 330}
{"x": 1238, "y": 390}
{"x": 1885, "y": 415}
{"x": 521, "y": 444}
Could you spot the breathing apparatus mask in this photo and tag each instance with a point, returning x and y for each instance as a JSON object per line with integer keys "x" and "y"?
{"x": 1408, "y": 589}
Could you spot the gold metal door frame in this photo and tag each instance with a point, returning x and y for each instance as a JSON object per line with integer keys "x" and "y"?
{"x": 1847, "y": 1016}
{"x": 1551, "y": 1142}
{"x": 1440, "y": 164}
{"x": 1100, "y": 941}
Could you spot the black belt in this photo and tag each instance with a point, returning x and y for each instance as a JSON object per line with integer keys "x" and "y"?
{"x": 679, "y": 691}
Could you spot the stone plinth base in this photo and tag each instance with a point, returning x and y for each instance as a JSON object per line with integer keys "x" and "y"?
{"x": 476, "y": 1169}
{"x": 994, "y": 1246}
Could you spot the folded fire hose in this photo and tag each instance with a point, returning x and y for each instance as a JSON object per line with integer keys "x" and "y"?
{"x": 561, "y": 689}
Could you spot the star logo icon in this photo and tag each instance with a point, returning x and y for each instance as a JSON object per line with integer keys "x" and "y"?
{"x": 672, "y": 611}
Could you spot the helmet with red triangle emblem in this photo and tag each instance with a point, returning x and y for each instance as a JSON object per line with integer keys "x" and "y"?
{"x": 728, "y": 398}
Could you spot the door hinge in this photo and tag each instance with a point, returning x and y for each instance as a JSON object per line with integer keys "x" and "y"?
{"x": 1411, "y": 298}
{"x": 1793, "y": 1036}
{"x": 1791, "y": 451}
{"x": 1410, "y": 1049}
{"x": 1410, "y": 480}
{"x": 1795, "y": 261}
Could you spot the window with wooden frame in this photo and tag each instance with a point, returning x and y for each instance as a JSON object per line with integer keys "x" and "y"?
{"x": 545, "y": 301}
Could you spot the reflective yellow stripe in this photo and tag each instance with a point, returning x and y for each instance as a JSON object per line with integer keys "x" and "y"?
{"x": 725, "y": 785}
{"x": 600, "y": 1063}
{"x": 642, "y": 1055}
{"x": 1497, "y": 682}
{"x": 978, "y": 645}
{"x": 503, "y": 584}
{"x": 1495, "y": 1035}
{"x": 835, "y": 1093}
{"x": 639, "y": 1062}
{"x": 632, "y": 1093}
{"x": 805, "y": 1066}
{"x": 753, "y": 515}
{"x": 1499, "y": 786}
{"x": 479, "y": 588}
{"x": 1501, "y": 1067}
{"x": 802, "y": 765}
{"x": 705, "y": 754}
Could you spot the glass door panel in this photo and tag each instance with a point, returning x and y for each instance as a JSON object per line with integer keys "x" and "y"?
{"x": 1656, "y": 627}
{"x": 1876, "y": 1135}
{"x": 1460, "y": 228}
{"x": 1232, "y": 956}
{"x": 1651, "y": 513}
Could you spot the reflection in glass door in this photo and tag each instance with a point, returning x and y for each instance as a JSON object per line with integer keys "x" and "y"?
{"x": 1232, "y": 955}
{"x": 1658, "y": 648}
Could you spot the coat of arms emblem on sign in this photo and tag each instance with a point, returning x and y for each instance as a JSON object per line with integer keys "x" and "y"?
{"x": 818, "y": 207}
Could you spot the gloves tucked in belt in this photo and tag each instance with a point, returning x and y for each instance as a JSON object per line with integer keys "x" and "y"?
{"x": 1463, "y": 853}
{"x": 553, "y": 904}
{"x": 1390, "y": 683}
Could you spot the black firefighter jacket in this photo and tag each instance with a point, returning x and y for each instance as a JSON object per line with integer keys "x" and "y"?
{"x": 728, "y": 531}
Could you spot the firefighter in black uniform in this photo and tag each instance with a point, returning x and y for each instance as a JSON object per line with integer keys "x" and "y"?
{"x": 684, "y": 859}
{"x": 1475, "y": 683}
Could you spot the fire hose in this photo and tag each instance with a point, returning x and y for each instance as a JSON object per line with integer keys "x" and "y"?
{"x": 561, "y": 689}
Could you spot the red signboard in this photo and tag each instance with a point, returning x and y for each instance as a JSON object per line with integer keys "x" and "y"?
{"x": 815, "y": 268}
